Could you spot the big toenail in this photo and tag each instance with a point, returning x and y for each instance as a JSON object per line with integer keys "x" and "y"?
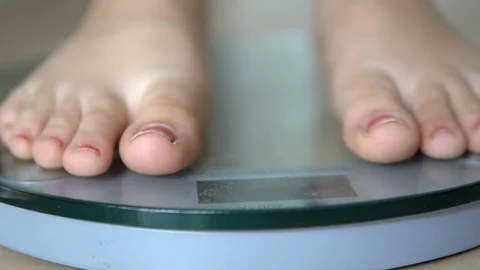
{"x": 159, "y": 129}
{"x": 382, "y": 120}
{"x": 89, "y": 148}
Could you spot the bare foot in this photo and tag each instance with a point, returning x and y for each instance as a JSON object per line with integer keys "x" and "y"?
{"x": 402, "y": 79}
{"x": 132, "y": 76}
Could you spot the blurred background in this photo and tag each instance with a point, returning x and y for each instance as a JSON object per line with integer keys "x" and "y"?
{"x": 30, "y": 28}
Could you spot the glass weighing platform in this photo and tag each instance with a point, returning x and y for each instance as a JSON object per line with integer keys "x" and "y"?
{"x": 275, "y": 190}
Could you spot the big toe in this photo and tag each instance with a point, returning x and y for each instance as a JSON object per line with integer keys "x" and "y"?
{"x": 377, "y": 127}
{"x": 166, "y": 135}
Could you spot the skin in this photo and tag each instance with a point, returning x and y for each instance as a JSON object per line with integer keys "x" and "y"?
{"x": 403, "y": 79}
{"x": 129, "y": 66}
{"x": 134, "y": 76}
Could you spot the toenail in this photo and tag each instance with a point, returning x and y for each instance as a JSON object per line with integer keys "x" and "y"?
{"x": 89, "y": 148}
{"x": 441, "y": 132}
{"x": 23, "y": 136}
{"x": 55, "y": 140}
{"x": 159, "y": 129}
{"x": 382, "y": 120}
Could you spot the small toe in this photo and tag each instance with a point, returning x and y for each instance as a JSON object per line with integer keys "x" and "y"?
{"x": 50, "y": 145}
{"x": 466, "y": 105}
{"x": 9, "y": 112}
{"x": 29, "y": 124}
{"x": 442, "y": 136}
{"x": 92, "y": 148}
{"x": 11, "y": 107}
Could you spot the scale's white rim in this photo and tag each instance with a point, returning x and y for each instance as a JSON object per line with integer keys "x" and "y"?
{"x": 377, "y": 245}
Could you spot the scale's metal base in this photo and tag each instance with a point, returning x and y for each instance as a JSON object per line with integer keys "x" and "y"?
{"x": 373, "y": 245}
{"x": 350, "y": 218}
{"x": 276, "y": 189}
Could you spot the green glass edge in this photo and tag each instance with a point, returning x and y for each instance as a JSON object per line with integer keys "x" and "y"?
{"x": 221, "y": 220}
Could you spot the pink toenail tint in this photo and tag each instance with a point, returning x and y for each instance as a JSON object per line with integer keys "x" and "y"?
{"x": 381, "y": 120}
{"x": 440, "y": 131}
{"x": 23, "y": 136}
{"x": 160, "y": 129}
{"x": 89, "y": 148}
{"x": 57, "y": 141}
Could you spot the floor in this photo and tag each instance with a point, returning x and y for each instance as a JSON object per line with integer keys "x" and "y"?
{"x": 39, "y": 26}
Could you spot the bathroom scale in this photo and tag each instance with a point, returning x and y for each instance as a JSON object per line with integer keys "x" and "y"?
{"x": 275, "y": 189}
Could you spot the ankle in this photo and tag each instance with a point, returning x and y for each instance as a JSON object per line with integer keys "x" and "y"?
{"x": 178, "y": 12}
{"x": 347, "y": 19}
{"x": 372, "y": 13}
